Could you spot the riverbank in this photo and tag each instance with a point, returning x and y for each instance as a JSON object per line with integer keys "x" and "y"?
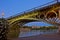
{"x": 55, "y": 36}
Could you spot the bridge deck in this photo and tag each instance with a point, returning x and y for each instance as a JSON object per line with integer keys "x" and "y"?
{"x": 41, "y": 37}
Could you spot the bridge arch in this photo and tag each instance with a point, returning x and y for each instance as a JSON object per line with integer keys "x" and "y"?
{"x": 51, "y": 14}
{"x": 15, "y": 27}
{"x": 42, "y": 16}
{"x": 24, "y": 21}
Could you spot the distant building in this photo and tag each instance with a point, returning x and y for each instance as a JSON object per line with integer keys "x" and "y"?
{"x": 35, "y": 26}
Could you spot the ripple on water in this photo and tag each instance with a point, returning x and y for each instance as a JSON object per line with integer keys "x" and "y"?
{"x": 36, "y": 32}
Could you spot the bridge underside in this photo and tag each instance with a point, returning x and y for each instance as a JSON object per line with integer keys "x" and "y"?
{"x": 49, "y": 14}
{"x": 44, "y": 13}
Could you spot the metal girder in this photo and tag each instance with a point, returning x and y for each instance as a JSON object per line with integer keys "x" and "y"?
{"x": 38, "y": 14}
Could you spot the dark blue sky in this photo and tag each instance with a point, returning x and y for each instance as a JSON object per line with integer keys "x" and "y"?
{"x": 13, "y": 7}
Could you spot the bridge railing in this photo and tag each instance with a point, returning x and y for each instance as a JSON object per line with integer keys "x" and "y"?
{"x": 35, "y": 8}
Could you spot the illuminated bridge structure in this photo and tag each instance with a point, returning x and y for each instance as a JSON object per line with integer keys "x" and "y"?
{"x": 47, "y": 13}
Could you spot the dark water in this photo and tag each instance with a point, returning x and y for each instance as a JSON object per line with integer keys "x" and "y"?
{"x": 36, "y": 32}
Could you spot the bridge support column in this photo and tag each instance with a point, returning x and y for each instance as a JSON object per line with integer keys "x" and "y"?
{"x": 59, "y": 18}
{"x": 59, "y": 29}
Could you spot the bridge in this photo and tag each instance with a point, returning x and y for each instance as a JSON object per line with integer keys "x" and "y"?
{"x": 49, "y": 14}
{"x": 40, "y": 14}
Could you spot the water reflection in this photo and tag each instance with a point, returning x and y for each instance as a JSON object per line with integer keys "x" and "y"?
{"x": 36, "y": 32}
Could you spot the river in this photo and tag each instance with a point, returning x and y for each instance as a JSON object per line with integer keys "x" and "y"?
{"x": 36, "y": 32}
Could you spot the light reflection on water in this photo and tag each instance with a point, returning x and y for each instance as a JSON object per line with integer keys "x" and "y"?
{"x": 36, "y": 32}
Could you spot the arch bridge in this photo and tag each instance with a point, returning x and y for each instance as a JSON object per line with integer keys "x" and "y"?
{"x": 49, "y": 14}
